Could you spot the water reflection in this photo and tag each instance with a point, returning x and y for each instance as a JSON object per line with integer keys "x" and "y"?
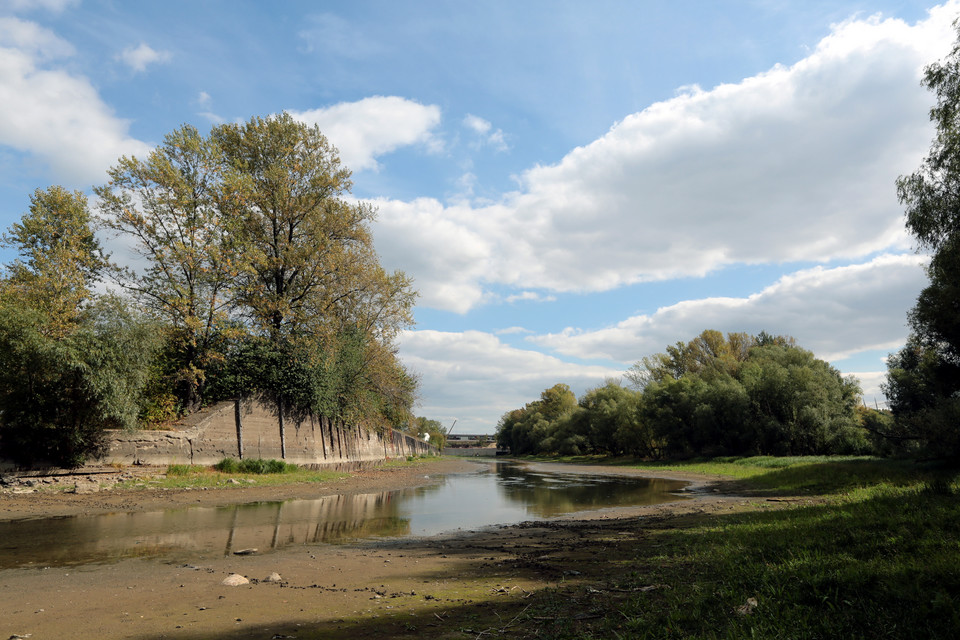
{"x": 549, "y": 493}
{"x": 500, "y": 494}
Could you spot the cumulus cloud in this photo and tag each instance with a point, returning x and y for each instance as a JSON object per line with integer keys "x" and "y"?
{"x": 483, "y": 377}
{"x": 52, "y": 115}
{"x": 439, "y": 246}
{"x": 140, "y": 57}
{"x": 375, "y": 126}
{"x": 796, "y": 163}
{"x": 835, "y": 313}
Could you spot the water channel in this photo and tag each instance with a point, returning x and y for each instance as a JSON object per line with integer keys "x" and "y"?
{"x": 500, "y": 493}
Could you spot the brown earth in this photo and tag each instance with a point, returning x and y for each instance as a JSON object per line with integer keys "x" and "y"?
{"x": 448, "y": 586}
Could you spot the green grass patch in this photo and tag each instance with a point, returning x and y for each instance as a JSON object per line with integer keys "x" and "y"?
{"x": 184, "y": 469}
{"x": 876, "y": 554}
{"x": 257, "y": 466}
{"x": 879, "y": 563}
{"x": 249, "y": 472}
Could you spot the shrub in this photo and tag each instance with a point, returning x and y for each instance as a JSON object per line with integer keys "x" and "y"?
{"x": 254, "y": 465}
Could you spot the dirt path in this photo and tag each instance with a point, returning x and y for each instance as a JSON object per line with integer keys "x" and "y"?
{"x": 439, "y": 586}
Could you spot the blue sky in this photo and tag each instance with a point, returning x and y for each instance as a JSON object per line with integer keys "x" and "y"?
{"x": 572, "y": 185}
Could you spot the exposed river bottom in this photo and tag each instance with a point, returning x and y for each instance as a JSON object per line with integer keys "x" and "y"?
{"x": 438, "y": 586}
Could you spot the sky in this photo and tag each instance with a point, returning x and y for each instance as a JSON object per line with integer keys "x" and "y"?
{"x": 572, "y": 186}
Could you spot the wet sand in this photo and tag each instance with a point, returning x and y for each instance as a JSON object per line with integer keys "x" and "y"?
{"x": 399, "y": 588}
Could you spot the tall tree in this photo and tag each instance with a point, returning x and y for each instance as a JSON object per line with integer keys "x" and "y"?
{"x": 59, "y": 260}
{"x": 310, "y": 278}
{"x": 923, "y": 382}
{"x": 304, "y": 238}
{"x": 172, "y": 206}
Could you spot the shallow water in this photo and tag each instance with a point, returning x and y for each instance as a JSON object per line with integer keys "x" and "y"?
{"x": 502, "y": 493}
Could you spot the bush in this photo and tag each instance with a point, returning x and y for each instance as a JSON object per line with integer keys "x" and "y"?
{"x": 254, "y": 465}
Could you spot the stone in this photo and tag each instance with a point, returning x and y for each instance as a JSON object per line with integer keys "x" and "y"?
{"x": 234, "y": 580}
{"x": 245, "y": 552}
{"x": 86, "y": 487}
{"x": 273, "y": 577}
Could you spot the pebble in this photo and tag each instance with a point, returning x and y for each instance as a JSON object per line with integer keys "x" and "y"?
{"x": 273, "y": 577}
{"x": 234, "y": 580}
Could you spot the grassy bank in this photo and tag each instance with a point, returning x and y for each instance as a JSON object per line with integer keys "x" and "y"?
{"x": 182, "y": 476}
{"x": 231, "y": 473}
{"x": 871, "y": 549}
{"x": 816, "y": 548}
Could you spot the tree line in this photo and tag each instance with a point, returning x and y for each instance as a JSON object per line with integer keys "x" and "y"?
{"x": 717, "y": 394}
{"x": 246, "y": 270}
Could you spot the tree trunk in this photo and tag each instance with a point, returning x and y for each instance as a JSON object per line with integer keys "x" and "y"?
{"x": 283, "y": 434}
{"x": 238, "y": 418}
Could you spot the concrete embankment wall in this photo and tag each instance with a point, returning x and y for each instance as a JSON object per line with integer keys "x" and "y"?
{"x": 211, "y": 435}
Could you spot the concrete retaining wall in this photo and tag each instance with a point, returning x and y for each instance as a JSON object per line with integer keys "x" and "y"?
{"x": 210, "y": 435}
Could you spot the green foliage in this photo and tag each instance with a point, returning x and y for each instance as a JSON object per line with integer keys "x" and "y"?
{"x": 60, "y": 258}
{"x": 436, "y": 432}
{"x": 923, "y": 382}
{"x": 183, "y": 469}
{"x": 171, "y": 205}
{"x": 715, "y": 395}
{"x": 57, "y": 395}
{"x": 254, "y": 466}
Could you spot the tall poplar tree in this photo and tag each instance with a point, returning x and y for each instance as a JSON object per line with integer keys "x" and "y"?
{"x": 923, "y": 382}
{"x": 173, "y": 206}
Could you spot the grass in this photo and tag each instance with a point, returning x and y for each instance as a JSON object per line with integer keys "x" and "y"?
{"x": 233, "y": 473}
{"x": 873, "y": 552}
{"x": 257, "y": 466}
{"x": 229, "y": 473}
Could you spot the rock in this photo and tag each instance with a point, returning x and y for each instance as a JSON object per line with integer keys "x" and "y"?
{"x": 273, "y": 577}
{"x": 245, "y": 552}
{"x": 86, "y": 487}
{"x": 233, "y": 481}
{"x": 234, "y": 580}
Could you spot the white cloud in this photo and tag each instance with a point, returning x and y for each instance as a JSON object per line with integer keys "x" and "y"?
{"x": 375, "y": 126}
{"x": 52, "y": 115}
{"x": 435, "y": 245}
{"x": 484, "y": 133}
{"x": 833, "y": 312}
{"x": 483, "y": 377}
{"x": 794, "y": 164}
{"x": 140, "y": 57}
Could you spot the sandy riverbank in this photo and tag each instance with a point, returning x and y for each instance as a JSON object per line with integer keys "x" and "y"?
{"x": 395, "y": 588}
